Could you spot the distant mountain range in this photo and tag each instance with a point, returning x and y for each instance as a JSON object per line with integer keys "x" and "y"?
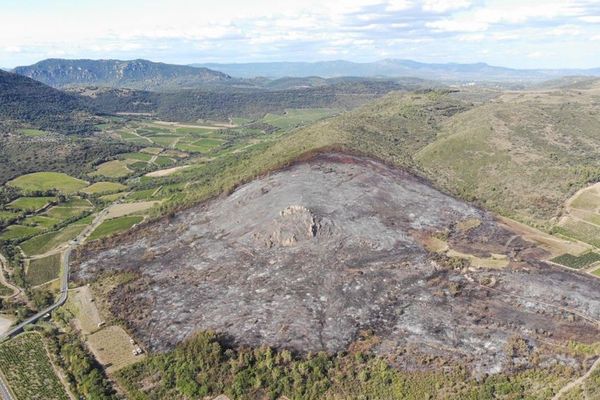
{"x": 136, "y": 74}
{"x": 26, "y": 101}
{"x": 394, "y": 68}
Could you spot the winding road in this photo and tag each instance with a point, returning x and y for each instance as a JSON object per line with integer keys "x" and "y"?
{"x": 64, "y": 284}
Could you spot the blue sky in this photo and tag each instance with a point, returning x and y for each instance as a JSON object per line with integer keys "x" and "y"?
{"x": 522, "y": 34}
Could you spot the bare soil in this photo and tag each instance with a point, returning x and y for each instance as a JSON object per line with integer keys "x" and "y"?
{"x": 309, "y": 257}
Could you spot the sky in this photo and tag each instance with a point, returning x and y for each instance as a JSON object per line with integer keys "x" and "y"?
{"x": 519, "y": 34}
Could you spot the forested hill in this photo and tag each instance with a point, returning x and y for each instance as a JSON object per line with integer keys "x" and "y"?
{"x": 26, "y": 101}
{"x": 136, "y": 74}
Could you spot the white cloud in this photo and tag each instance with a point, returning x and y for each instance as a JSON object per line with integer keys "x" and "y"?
{"x": 592, "y": 19}
{"x": 441, "y": 6}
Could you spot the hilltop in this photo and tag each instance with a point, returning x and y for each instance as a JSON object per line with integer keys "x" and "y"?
{"x": 137, "y": 74}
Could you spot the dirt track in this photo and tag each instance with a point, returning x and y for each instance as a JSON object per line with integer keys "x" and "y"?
{"x": 308, "y": 257}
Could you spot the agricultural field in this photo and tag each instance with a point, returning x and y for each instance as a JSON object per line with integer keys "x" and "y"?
{"x": 582, "y": 219}
{"x": 113, "y": 348}
{"x": 112, "y": 169}
{"x": 44, "y": 181}
{"x": 28, "y": 371}
{"x": 29, "y": 204}
{"x": 114, "y": 226}
{"x": 42, "y": 270}
{"x": 104, "y": 187}
{"x": 48, "y": 241}
{"x": 41, "y": 221}
{"x": 577, "y": 262}
{"x": 19, "y": 232}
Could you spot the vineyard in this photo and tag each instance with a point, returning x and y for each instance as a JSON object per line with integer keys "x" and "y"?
{"x": 577, "y": 262}
{"x": 25, "y": 364}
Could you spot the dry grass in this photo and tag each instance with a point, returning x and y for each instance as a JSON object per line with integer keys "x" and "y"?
{"x": 165, "y": 172}
{"x": 81, "y": 304}
{"x": 112, "y": 348}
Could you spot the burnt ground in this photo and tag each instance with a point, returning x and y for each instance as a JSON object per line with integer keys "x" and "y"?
{"x": 309, "y": 257}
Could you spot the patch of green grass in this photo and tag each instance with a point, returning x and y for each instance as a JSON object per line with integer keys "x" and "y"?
{"x": 62, "y": 213}
{"x": 113, "y": 197}
{"x": 47, "y": 241}
{"x": 19, "y": 232}
{"x": 40, "y": 220}
{"x": 44, "y": 181}
{"x": 596, "y": 272}
{"x": 147, "y": 194}
{"x": 586, "y": 200}
{"x": 577, "y": 262}
{"x": 28, "y": 371}
{"x": 138, "y": 165}
{"x": 163, "y": 161}
{"x": 207, "y": 144}
{"x": 164, "y": 140}
{"x": 33, "y": 132}
{"x": 104, "y": 187}
{"x": 7, "y": 216}
{"x": 114, "y": 226}
{"x": 135, "y": 156}
{"x": 112, "y": 169}
{"x": 30, "y": 203}
{"x": 43, "y": 270}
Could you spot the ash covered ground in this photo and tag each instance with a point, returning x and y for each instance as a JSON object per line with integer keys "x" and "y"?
{"x": 309, "y": 257}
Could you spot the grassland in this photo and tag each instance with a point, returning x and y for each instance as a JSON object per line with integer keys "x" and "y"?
{"x": 29, "y": 204}
{"x": 48, "y": 241}
{"x": 7, "y": 216}
{"x": 114, "y": 226}
{"x": 44, "y": 181}
{"x": 28, "y": 370}
{"x": 103, "y": 188}
{"x": 42, "y": 270}
{"x": 41, "y": 221}
{"x": 81, "y": 304}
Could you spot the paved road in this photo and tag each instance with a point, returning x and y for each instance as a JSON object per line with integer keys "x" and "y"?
{"x": 64, "y": 284}
{"x": 4, "y": 392}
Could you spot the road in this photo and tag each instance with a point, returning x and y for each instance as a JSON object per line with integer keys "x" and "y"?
{"x": 64, "y": 284}
{"x": 4, "y": 392}
{"x": 577, "y": 382}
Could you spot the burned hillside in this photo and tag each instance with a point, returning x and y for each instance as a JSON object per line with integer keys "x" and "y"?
{"x": 312, "y": 256}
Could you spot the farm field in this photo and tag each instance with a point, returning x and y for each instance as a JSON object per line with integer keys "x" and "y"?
{"x": 114, "y": 226}
{"x": 104, "y": 187}
{"x": 42, "y": 270}
{"x": 28, "y": 370}
{"x": 40, "y": 221}
{"x": 112, "y": 169}
{"x": 48, "y": 241}
{"x": 582, "y": 219}
{"x": 6, "y": 216}
{"x": 113, "y": 348}
{"x": 577, "y": 262}
{"x": 19, "y": 232}
{"x": 44, "y": 181}
{"x": 29, "y": 204}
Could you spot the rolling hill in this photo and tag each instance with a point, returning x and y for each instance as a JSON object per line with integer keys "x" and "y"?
{"x": 24, "y": 100}
{"x": 137, "y": 74}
